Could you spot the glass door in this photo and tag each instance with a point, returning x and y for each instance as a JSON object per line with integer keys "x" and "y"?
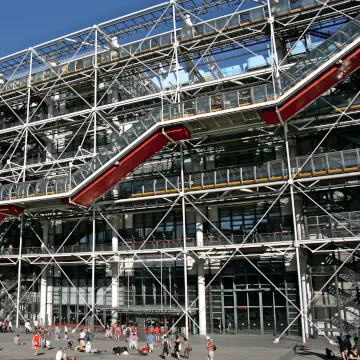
{"x": 254, "y": 312}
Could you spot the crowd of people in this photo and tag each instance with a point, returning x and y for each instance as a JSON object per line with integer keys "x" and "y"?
{"x": 42, "y": 336}
{"x": 6, "y": 326}
{"x": 152, "y": 336}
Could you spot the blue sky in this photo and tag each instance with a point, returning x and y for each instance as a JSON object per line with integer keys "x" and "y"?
{"x": 27, "y": 23}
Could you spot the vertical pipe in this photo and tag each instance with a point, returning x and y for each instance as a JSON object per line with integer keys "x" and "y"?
{"x": 95, "y": 87}
{"x": 27, "y": 114}
{"x": 19, "y": 272}
{"x": 201, "y": 275}
{"x": 170, "y": 286}
{"x": 115, "y": 271}
{"x": 184, "y": 245}
{"x": 296, "y": 244}
{"x": 175, "y": 46}
{"x": 338, "y": 304}
{"x": 273, "y": 42}
{"x": 44, "y": 301}
{"x": 161, "y": 281}
{"x": 128, "y": 283}
{"x": 93, "y": 292}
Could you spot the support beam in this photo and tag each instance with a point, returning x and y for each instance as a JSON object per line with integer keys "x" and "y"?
{"x": 19, "y": 273}
{"x": 43, "y": 282}
{"x": 201, "y": 275}
{"x": 115, "y": 272}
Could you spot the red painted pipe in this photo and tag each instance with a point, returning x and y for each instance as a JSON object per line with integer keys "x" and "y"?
{"x": 131, "y": 161}
{"x": 312, "y": 91}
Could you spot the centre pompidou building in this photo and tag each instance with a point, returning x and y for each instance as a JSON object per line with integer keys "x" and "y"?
{"x": 193, "y": 165}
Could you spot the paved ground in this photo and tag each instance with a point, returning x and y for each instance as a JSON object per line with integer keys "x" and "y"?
{"x": 252, "y": 347}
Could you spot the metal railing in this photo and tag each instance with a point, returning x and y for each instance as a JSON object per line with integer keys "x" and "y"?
{"x": 319, "y": 165}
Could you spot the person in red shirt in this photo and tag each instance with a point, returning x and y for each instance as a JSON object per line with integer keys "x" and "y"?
{"x": 36, "y": 343}
{"x": 156, "y": 332}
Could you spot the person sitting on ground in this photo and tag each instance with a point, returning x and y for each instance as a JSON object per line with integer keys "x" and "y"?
{"x": 329, "y": 353}
{"x": 88, "y": 347}
{"x": 17, "y": 340}
{"x": 353, "y": 354}
{"x": 60, "y": 355}
{"x": 81, "y": 346}
{"x": 345, "y": 354}
{"x": 143, "y": 351}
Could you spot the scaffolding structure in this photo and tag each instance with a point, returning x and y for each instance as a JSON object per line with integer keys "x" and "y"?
{"x": 115, "y": 128}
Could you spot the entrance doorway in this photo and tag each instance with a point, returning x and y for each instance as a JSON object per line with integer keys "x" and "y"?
{"x": 256, "y": 312}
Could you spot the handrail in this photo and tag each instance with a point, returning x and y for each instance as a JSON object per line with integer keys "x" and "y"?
{"x": 346, "y": 161}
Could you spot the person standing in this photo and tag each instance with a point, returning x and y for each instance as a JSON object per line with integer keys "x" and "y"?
{"x": 186, "y": 348}
{"x": 177, "y": 347}
{"x": 117, "y": 332}
{"x": 57, "y": 332}
{"x": 166, "y": 346}
{"x": 210, "y": 348}
{"x": 131, "y": 340}
{"x": 10, "y": 249}
{"x": 150, "y": 341}
{"x": 156, "y": 333}
{"x": 66, "y": 330}
{"x": 10, "y": 326}
{"x": 36, "y": 325}
{"x": 36, "y": 341}
{"x": 27, "y": 327}
{"x": 42, "y": 341}
{"x": 47, "y": 340}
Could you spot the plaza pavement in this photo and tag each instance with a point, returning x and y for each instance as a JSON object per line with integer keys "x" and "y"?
{"x": 252, "y": 347}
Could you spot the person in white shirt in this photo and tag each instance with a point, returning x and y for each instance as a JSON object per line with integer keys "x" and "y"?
{"x": 88, "y": 347}
{"x": 17, "y": 340}
{"x": 60, "y": 355}
{"x": 36, "y": 324}
{"x": 82, "y": 334}
{"x": 28, "y": 327}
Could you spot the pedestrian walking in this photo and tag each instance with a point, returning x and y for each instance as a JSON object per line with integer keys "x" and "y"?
{"x": 177, "y": 347}
{"x": 210, "y": 348}
{"x": 157, "y": 333}
{"x": 10, "y": 326}
{"x": 57, "y": 332}
{"x": 150, "y": 341}
{"x": 66, "y": 330}
{"x": 187, "y": 348}
{"x": 166, "y": 346}
{"x": 36, "y": 343}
